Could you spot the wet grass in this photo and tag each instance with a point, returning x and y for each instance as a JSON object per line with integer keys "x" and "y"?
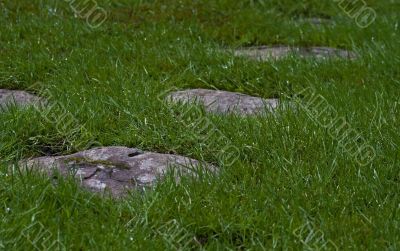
{"x": 293, "y": 186}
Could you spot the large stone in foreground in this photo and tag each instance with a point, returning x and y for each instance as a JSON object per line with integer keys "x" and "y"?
{"x": 117, "y": 169}
{"x": 266, "y": 53}
{"x": 19, "y": 98}
{"x": 224, "y": 102}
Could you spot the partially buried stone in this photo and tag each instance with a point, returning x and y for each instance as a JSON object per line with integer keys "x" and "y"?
{"x": 318, "y": 21}
{"x": 266, "y": 53}
{"x": 117, "y": 169}
{"x": 224, "y": 101}
{"x": 18, "y": 98}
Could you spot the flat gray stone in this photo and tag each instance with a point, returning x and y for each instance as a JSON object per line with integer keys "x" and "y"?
{"x": 117, "y": 169}
{"x": 318, "y": 21}
{"x": 19, "y": 98}
{"x": 267, "y": 53}
{"x": 224, "y": 102}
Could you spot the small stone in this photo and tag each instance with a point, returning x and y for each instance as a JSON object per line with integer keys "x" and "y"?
{"x": 318, "y": 21}
{"x": 19, "y": 98}
{"x": 267, "y": 53}
{"x": 224, "y": 101}
{"x": 117, "y": 169}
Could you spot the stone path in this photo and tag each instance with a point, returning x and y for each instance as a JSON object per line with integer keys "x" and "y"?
{"x": 224, "y": 102}
{"x": 266, "y": 53}
{"x": 117, "y": 169}
{"x": 19, "y": 98}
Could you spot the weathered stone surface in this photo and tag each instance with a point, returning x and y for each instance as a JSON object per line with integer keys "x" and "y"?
{"x": 117, "y": 169}
{"x": 266, "y": 53}
{"x": 19, "y": 98}
{"x": 224, "y": 102}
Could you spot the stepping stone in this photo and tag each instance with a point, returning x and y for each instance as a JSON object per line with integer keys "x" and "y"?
{"x": 266, "y": 53}
{"x": 19, "y": 98}
{"x": 116, "y": 169}
{"x": 224, "y": 102}
{"x": 318, "y": 21}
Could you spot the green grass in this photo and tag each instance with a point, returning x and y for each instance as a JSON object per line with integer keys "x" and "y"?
{"x": 293, "y": 186}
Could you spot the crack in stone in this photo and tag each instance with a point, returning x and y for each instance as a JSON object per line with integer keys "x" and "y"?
{"x": 93, "y": 174}
{"x": 134, "y": 154}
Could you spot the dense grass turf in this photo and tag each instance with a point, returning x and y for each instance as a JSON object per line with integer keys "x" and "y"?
{"x": 293, "y": 186}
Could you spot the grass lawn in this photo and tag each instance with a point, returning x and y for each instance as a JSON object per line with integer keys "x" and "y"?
{"x": 293, "y": 185}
